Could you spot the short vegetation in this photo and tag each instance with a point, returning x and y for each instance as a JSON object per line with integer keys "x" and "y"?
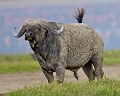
{"x": 18, "y": 63}
{"x": 111, "y": 57}
{"x": 104, "y": 87}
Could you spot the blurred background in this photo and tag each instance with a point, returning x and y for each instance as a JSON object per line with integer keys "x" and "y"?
{"x": 102, "y": 15}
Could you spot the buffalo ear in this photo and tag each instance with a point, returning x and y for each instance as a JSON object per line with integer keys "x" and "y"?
{"x": 54, "y": 25}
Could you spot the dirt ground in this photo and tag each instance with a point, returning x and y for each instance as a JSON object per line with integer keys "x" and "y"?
{"x": 10, "y": 82}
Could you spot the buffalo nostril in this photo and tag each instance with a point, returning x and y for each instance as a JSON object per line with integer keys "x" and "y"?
{"x": 29, "y": 34}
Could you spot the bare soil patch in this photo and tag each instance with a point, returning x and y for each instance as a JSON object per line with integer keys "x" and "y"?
{"x": 10, "y": 82}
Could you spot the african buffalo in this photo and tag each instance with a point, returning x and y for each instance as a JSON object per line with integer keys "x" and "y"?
{"x": 65, "y": 46}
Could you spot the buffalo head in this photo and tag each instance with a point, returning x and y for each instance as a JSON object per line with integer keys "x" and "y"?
{"x": 34, "y": 28}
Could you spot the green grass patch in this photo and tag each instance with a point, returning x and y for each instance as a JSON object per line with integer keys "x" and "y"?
{"x": 104, "y": 87}
{"x": 17, "y": 63}
{"x": 111, "y": 57}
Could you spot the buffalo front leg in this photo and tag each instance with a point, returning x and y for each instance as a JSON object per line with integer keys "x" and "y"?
{"x": 60, "y": 72}
{"x": 49, "y": 75}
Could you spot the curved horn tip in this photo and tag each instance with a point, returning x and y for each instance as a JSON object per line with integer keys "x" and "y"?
{"x": 14, "y": 33}
{"x": 61, "y": 28}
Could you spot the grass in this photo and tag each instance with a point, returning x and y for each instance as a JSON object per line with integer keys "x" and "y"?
{"x": 111, "y": 57}
{"x": 104, "y": 87}
{"x": 17, "y": 63}
{"x": 24, "y": 63}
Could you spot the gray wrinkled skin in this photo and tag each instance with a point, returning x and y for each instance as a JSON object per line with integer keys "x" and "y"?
{"x": 77, "y": 46}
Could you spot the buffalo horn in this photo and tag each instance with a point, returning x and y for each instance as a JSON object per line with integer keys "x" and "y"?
{"x": 22, "y": 31}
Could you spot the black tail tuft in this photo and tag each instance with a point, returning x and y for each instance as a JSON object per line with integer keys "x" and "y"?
{"x": 79, "y": 15}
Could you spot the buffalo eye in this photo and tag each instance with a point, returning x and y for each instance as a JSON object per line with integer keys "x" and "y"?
{"x": 46, "y": 34}
{"x": 38, "y": 29}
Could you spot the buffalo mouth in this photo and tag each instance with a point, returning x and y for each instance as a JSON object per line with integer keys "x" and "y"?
{"x": 29, "y": 38}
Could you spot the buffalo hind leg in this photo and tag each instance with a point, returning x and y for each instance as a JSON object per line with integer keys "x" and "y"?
{"x": 89, "y": 71}
{"x": 75, "y": 72}
{"x": 97, "y": 63}
{"x": 76, "y": 75}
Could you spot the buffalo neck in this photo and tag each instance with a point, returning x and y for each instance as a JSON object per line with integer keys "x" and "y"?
{"x": 48, "y": 48}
